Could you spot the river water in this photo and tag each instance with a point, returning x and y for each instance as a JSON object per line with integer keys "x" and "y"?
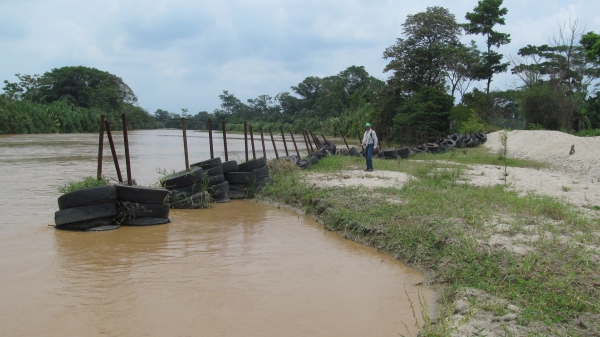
{"x": 236, "y": 269}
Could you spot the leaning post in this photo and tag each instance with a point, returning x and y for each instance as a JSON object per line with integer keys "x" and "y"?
{"x": 252, "y": 141}
{"x": 113, "y": 151}
{"x": 185, "y": 149}
{"x": 126, "y": 141}
{"x": 246, "y": 138}
{"x": 100, "y": 148}
{"x": 262, "y": 139}
{"x": 273, "y": 140}
{"x": 225, "y": 141}
{"x": 210, "y": 140}
{"x": 284, "y": 144}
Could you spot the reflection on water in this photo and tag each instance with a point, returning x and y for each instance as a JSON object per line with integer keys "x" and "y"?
{"x": 240, "y": 268}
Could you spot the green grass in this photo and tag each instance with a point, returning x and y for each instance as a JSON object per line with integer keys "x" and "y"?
{"x": 83, "y": 183}
{"x": 442, "y": 226}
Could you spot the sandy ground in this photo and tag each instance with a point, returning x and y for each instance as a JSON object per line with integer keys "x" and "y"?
{"x": 572, "y": 178}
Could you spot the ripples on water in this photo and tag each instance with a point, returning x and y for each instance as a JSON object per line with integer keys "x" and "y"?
{"x": 236, "y": 269}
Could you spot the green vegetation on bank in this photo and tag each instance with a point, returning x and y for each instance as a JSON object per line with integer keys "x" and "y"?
{"x": 442, "y": 225}
{"x": 85, "y": 182}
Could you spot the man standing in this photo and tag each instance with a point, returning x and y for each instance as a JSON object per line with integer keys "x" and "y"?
{"x": 370, "y": 141}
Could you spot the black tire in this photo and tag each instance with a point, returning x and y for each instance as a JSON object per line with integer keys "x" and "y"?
{"x": 223, "y": 200}
{"x": 194, "y": 201}
{"x": 230, "y": 166}
{"x": 220, "y": 188}
{"x": 262, "y": 172}
{"x": 184, "y": 192}
{"x": 240, "y": 177}
{"x": 215, "y": 180}
{"x": 353, "y": 152}
{"x": 86, "y": 224}
{"x": 252, "y": 164}
{"x": 87, "y": 196}
{"x": 141, "y": 194}
{"x": 317, "y": 154}
{"x": 303, "y": 164}
{"x": 183, "y": 178}
{"x": 87, "y": 212}
{"x": 236, "y": 194}
{"x": 289, "y": 159}
{"x": 147, "y": 221}
{"x": 332, "y": 147}
{"x": 314, "y": 160}
{"x": 141, "y": 210}
{"x": 215, "y": 171}
{"x": 219, "y": 196}
{"x": 403, "y": 153}
{"x": 208, "y": 164}
{"x": 103, "y": 228}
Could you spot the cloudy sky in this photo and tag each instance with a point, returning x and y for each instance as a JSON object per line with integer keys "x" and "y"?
{"x": 183, "y": 53}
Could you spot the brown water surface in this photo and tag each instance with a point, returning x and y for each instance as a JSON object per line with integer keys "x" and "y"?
{"x": 236, "y": 269}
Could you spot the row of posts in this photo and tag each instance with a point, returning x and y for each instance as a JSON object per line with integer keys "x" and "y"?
{"x": 105, "y": 126}
{"x": 309, "y": 139}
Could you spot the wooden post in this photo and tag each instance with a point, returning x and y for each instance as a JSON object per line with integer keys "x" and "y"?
{"x": 210, "y": 141}
{"x": 324, "y": 140}
{"x": 295, "y": 146}
{"x": 345, "y": 142}
{"x": 185, "y": 149}
{"x": 100, "y": 148}
{"x": 252, "y": 141}
{"x": 262, "y": 139}
{"x": 246, "y": 138}
{"x": 113, "y": 151}
{"x": 273, "y": 140}
{"x": 126, "y": 141}
{"x": 225, "y": 141}
{"x": 284, "y": 144}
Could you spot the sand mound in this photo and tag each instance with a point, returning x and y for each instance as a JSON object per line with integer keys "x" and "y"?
{"x": 553, "y": 147}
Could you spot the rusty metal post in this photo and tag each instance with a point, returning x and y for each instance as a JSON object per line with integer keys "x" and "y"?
{"x": 100, "y": 148}
{"x": 284, "y": 144}
{"x": 113, "y": 151}
{"x": 295, "y": 146}
{"x": 273, "y": 140}
{"x": 324, "y": 139}
{"x": 316, "y": 141}
{"x": 306, "y": 142}
{"x": 225, "y": 141}
{"x": 252, "y": 141}
{"x": 360, "y": 140}
{"x": 262, "y": 139}
{"x": 185, "y": 149}
{"x": 308, "y": 138}
{"x": 345, "y": 142}
{"x": 126, "y": 142}
{"x": 212, "y": 154}
{"x": 246, "y": 138}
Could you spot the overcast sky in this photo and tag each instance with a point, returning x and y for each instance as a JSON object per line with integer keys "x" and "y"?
{"x": 183, "y": 53}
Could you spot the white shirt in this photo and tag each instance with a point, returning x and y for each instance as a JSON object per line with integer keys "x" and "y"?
{"x": 370, "y": 137}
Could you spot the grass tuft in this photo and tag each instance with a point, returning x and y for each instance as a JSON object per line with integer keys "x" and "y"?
{"x": 83, "y": 183}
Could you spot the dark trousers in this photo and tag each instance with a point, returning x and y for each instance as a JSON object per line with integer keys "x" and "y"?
{"x": 370, "y": 156}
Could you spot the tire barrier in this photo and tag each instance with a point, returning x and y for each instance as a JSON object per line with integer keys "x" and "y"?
{"x": 109, "y": 207}
{"x": 249, "y": 178}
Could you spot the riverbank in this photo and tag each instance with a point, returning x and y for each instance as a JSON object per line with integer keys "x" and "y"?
{"x": 510, "y": 258}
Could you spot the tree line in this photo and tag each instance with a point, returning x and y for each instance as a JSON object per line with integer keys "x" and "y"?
{"x": 428, "y": 67}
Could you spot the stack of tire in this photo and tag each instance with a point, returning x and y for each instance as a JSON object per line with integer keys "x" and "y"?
{"x": 89, "y": 209}
{"x": 186, "y": 189}
{"x": 216, "y": 184}
{"x": 249, "y": 178}
{"x": 142, "y": 206}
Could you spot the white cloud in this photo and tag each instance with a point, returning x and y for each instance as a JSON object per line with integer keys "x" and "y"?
{"x": 184, "y": 53}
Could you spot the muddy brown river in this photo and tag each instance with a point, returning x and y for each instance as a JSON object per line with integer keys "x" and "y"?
{"x": 236, "y": 269}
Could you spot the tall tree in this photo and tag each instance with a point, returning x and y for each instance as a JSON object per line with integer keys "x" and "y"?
{"x": 86, "y": 87}
{"x": 420, "y": 59}
{"x": 591, "y": 42}
{"x": 482, "y": 20}
{"x": 561, "y": 73}
{"x": 462, "y": 66}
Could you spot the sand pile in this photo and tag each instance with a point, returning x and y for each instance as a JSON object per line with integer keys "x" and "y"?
{"x": 553, "y": 147}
